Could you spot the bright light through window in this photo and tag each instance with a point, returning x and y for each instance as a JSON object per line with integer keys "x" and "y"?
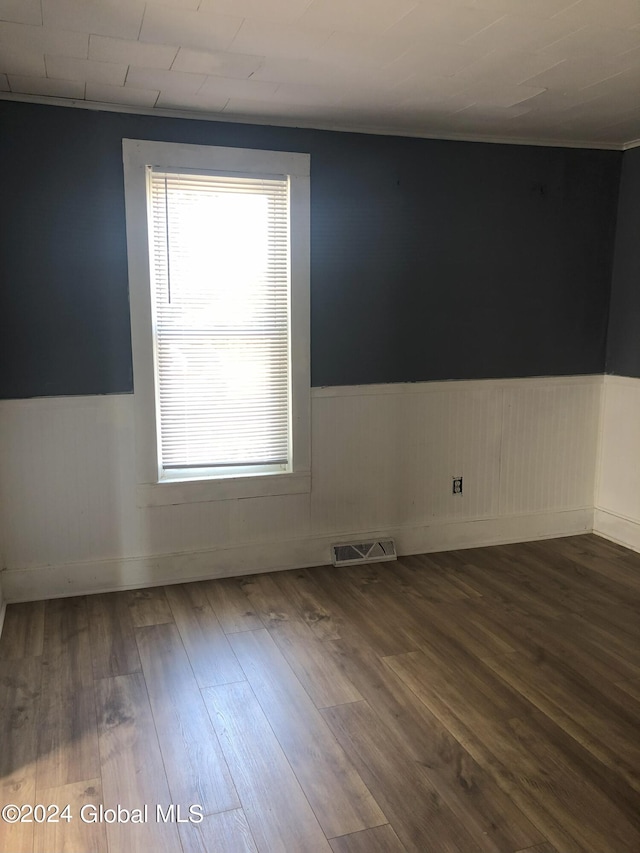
{"x": 220, "y": 269}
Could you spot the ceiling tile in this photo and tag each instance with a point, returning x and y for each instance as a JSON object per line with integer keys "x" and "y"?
{"x": 348, "y": 15}
{"x": 258, "y": 36}
{"x": 180, "y": 5}
{"x": 349, "y": 49}
{"x": 443, "y": 21}
{"x": 274, "y": 10}
{"x": 21, "y": 11}
{"x": 489, "y": 94}
{"x": 576, "y": 73}
{"x": 503, "y": 67}
{"x": 44, "y": 40}
{"x": 537, "y": 8}
{"x": 66, "y": 15}
{"x": 620, "y": 14}
{"x": 595, "y": 41}
{"x": 307, "y": 72}
{"x": 121, "y": 95}
{"x": 522, "y": 32}
{"x": 117, "y": 18}
{"x": 219, "y": 87}
{"x": 508, "y": 66}
{"x": 166, "y": 81}
{"x": 21, "y": 60}
{"x": 47, "y": 86}
{"x": 163, "y": 25}
{"x": 298, "y": 93}
{"x": 433, "y": 58}
{"x": 221, "y": 63}
{"x": 85, "y": 70}
{"x": 104, "y": 49}
{"x": 180, "y": 101}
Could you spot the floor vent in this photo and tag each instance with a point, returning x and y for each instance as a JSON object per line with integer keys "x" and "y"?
{"x": 364, "y": 552}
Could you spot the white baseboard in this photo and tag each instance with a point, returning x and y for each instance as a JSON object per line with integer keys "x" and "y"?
{"x": 3, "y": 610}
{"x": 131, "y": 573}
{"x": 617, "y": 528}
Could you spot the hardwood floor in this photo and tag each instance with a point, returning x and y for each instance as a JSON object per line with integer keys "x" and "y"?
{"x": 482, "y": 700}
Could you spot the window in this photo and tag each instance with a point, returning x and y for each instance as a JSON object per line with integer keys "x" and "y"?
{"x": 218, "y": 245}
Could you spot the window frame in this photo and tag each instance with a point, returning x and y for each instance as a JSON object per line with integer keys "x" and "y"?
{"x": 153, "y": 487}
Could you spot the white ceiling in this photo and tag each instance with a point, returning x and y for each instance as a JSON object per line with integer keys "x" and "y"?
{"x": 507, "y": 69}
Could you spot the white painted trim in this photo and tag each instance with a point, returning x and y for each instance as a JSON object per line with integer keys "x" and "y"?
{"x": 60, "y": 581}
{"x": 600, "y": 442}
{"x": 436, "y": 386}
{"x": 194, "y": 491}
{"x": 3, "y": 612}
{"x": 634, "y": 143}
{"x": 138, "y": 155}
{"x": 309, "y": 125}
{"x": 625, "y": 381}
{"x": 617, "y": 528}
{"x": 325, "y": 391}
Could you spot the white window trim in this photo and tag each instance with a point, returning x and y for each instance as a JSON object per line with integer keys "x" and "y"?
{"x": 153, "y": 490}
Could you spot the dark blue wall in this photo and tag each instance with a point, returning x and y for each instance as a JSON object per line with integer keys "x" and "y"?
{"x": 430, "y": 259}
{"x": 623, "y": 344}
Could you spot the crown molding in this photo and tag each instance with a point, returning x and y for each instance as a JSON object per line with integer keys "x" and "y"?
{"x": 310, "y": 125}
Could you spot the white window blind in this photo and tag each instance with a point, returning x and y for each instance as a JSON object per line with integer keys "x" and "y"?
{"x": 220, "y": 287}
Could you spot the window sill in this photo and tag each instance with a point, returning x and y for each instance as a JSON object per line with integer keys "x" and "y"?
{"x": 172, "y": 492}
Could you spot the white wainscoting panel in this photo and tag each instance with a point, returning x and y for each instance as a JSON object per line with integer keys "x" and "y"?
{"x": 617, "y": 514}
{"x": 383, "y": 461}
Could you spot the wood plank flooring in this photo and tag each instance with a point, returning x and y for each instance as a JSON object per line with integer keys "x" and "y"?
{"x": 478, "y": 701}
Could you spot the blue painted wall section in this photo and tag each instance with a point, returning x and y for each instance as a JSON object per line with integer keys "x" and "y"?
{"x": 430, "y": 259}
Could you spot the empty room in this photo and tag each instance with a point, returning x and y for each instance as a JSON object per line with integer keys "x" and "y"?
{"x": 319, "y": 426}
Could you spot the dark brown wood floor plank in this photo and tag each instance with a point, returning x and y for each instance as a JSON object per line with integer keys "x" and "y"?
{"x": 609, "y": 631}
{"x": 450, "y": 617}
{"x": 113, "y": 643}
{"x": 597, "y": 554}
{"x": 630, "y": 687}
{"x": 267, "y": 600}
{"x": 422, "y": 569}
{"x": 132, "y": 769}
{"x": 22, "y": 631}
{"x": 282, "y": 608}
{"x": 206, "y": 644}
{"x": 601, "y": 721}
{"x": 148, "y": 606}
{"x": 298, "y": 589}
{"x": 571, "y": 643}
{"x": 319, "y": 673}
{"x": 283, "y": 616}
{"x": 231, "y": 606}
{"x": 422, "y": 578}
{"x": 337, "y": 794}
{"x": 585, "y": 585}
{"x": 380, "y": 839}
{"x": 276, "y": 809}
{"x": 360, "y": 613}
{"x": 68, "y": 741}
{"x": 588, "y": 767}
{"x": 505, "y": 578}
{"x": 540, "y": 848}
{"x": 453, "y": 771}
{"x": 20, "y": 681}
{"x": 81, "y": 832}
{"x": 423, "y": 821}
{"x": 227, "y": 832}
{"x": 579, "y": 795}
{"x": 555, "y": 801}
{"x": 194, "y": 764}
